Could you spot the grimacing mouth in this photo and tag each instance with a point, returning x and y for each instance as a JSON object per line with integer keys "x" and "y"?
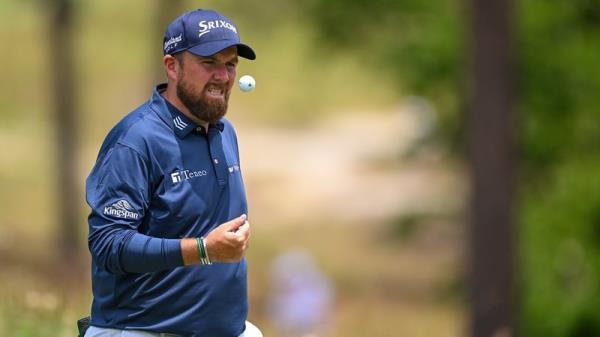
{"x": 214, "y": 90}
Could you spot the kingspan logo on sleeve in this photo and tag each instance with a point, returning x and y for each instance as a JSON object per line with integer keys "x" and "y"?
{"x": 121, "y": 209}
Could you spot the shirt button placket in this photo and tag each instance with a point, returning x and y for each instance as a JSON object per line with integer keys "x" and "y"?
{"x": 217, "y": 155}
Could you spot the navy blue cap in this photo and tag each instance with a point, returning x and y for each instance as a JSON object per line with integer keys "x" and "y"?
{"x": 204, "y": 33}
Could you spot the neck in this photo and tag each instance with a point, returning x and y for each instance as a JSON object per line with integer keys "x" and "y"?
{"x": 171, "y": 95}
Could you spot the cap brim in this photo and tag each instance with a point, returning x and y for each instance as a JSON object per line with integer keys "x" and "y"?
{"x": 213, "y": 47}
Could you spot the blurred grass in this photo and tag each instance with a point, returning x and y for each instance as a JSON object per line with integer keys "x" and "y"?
{"x": 388, "y": 292}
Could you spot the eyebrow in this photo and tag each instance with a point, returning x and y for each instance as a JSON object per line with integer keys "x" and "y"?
{"x": 233, "y": 59}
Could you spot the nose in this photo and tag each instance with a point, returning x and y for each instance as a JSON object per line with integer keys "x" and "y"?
{"x": 221, "y": 73}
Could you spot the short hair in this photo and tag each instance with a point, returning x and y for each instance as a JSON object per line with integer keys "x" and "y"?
{"x": 179, "y": 57}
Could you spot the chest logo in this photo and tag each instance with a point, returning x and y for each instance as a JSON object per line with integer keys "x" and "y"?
{"x": 179, "y": 176}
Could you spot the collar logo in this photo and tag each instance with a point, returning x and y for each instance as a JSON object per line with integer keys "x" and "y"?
{"x": 179, "y": 123}
{"x": 207, "y": 26}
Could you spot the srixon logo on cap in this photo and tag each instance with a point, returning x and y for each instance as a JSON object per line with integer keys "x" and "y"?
{"x": 206, "y": 26}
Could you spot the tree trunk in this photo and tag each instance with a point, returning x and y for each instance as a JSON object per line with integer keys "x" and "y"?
{"x": 492, "y": 162}
{"x": 63, "y": 89}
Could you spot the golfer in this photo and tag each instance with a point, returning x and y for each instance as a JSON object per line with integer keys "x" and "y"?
{"x": 168, "y": 228}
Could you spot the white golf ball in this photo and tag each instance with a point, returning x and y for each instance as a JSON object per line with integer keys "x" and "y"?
{"x": 247, "y": 83}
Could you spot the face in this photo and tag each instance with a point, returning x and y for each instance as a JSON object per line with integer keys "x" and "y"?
{"x": 204, "y": 83}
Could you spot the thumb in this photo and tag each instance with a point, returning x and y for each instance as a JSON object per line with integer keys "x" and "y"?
{"x": 234, "y": 224}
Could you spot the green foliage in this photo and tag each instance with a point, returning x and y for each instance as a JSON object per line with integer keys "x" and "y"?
{"x": 558, "y": 102}
{"x": 561, "y": 254}
{"x": 418, "y": 43}
{"x": 559, "y": 79}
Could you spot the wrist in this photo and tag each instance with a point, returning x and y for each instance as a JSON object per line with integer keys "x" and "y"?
{"x": 189, "y": 251}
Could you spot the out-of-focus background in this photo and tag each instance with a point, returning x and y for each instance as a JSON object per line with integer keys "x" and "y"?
{"x": 354, "y": 152}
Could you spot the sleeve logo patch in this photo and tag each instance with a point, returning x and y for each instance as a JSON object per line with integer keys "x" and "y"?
{"x": 121, "y": 209}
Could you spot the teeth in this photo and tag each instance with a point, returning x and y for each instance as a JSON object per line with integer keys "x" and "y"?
{"x": 215, "y": 90}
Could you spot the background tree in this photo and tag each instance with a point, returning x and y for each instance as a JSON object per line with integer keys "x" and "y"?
{"x": 64, "y": 93}
{"x": 492, "y": 170}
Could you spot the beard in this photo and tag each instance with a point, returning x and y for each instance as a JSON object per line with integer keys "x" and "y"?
{"x": 199, "y": 105}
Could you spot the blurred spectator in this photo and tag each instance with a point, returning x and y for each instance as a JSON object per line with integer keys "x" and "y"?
{"x": 301, "y": 301}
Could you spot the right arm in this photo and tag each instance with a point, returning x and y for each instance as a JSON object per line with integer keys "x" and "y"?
{"x": 118, "y": 192}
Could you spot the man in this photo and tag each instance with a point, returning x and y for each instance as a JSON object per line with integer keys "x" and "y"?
{"x": 168, "y": 228}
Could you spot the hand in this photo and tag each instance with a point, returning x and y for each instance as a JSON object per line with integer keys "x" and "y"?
{"x": 229, "y": 241}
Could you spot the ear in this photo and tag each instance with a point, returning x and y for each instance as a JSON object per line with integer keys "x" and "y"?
{"x": 172, "y": 67}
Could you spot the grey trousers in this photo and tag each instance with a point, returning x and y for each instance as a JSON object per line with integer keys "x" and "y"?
{"x": 93, "y": 331}
{"x": 251, "y": 331}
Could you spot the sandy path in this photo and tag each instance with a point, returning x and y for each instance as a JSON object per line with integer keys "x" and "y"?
{"x": 352, "y": 167}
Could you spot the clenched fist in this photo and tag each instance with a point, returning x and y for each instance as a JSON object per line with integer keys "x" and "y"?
{"x": 229, "y": 241}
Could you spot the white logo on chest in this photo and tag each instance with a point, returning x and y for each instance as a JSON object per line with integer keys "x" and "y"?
{"x": 179, "y": 176}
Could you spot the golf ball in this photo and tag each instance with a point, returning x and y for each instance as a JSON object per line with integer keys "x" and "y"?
{"x": 247, "y": 83}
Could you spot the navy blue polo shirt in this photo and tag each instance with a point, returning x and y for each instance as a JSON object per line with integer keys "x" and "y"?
{"x": 159, "y": 178}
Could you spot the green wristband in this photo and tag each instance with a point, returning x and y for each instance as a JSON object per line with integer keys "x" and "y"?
{"x": 200, "y": 250}
{"x": 202, "y": 254}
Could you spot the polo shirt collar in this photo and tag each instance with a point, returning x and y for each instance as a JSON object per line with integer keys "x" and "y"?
{"x": 181, "y": 125}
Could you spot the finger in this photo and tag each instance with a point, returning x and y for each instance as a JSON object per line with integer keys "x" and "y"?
{"x": 234, "y": 224}
{"x": 244, "y": 231}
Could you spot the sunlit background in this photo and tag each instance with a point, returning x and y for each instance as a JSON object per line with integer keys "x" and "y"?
{"x": 353, "y": 153}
